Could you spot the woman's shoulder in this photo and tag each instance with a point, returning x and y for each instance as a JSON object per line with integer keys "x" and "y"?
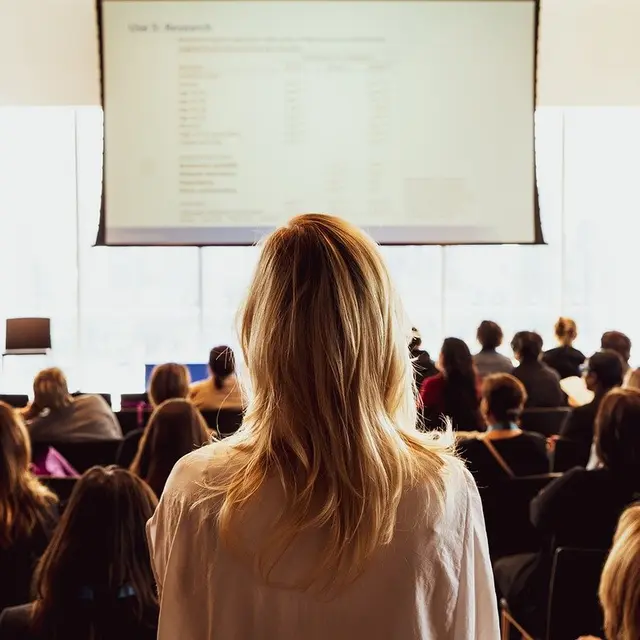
{"x": 15, "y": 622}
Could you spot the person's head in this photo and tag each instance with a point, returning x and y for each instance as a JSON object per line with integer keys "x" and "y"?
{"x": 503, "y": 398}
{"x": 566, "y": 331}
{"x": 489, "y": 335}
{"x": 618, "y": 342}
{"x": 222, "y": 364}
{"x": 617, "y": 431}
{"x": 333, "y": 413}
{"x": 455, "y": 358}
{"x": 605, "y": 370}
{"x": 620, "y": 581}
{"x": 23, "y": 500}
{"x": 168, "y": 381}
{"x": 50, "y": 390}
{"x": 175, "y": 428}
{"x": 416, "y": 339}
{"x": 527, "y": 346}
{"x": 99, "y": 553}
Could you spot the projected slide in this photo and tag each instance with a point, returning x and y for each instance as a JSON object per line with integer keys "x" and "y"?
{"x": 413, "y": 119}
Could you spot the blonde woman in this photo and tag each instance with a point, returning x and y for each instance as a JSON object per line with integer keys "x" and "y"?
{"x": 56, "y": 416}
{"x": 565, "y": 359}
{"x": 328, "y": 515}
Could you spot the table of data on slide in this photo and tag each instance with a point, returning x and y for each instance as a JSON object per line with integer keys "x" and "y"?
{"x": 226, "y": 114}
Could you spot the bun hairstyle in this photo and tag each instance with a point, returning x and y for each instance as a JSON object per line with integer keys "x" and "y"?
{"x": 566, "y": 331}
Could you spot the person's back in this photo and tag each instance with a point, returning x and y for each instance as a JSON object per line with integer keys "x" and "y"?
{"x": 489, "y": 361}
{"x": 565, "y": 359}
{"x": 441, "y": 588}
{"x": 328, "y": 515}
{"x": 542, "y": 384}
{"x": 84, "y": 418}
{"x": 209, "y": 397}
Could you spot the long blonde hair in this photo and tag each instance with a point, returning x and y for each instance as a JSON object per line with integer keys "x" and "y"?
{"x": 333, "y": 415}
{"x": 620, "y": 582}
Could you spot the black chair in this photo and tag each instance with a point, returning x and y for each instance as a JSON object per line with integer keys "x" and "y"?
{"x": 129, "y": 448}
{"x": 15, "y": 400}
{"x": 131, "y": 419}
{"x": 224, "y": 421}
{"x": 84, "y": 454}
{"x": 62, "y": 487}
{"x": 574, "y": 609}
{"x": 106, "y": 396}
{"x": 133, "y": 400}
{"x": 506, "y": 513}
{"x": 568, "y": 454}
{"x": 547, "y": 422}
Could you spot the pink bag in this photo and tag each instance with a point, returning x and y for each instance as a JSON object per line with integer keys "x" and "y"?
{"x": 53, "y": 464}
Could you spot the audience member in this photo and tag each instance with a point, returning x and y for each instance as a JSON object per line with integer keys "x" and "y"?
{"x": 621, "y": 344}
{"x": 175, "y": 429}
{"x": 504, "y": 451}
{"x": 620, "y": 581}
{"x": 95, "y": 578}
{"x": 579, "y": 509}
{"x": 455, "y": 391}
{"x": 167, "y": 381}
{"x": 311, "y": 507}
{"x": 489, "y": 361}
{"x": 423, "y": 365}
{"x": 222, "y": 389}
{"x": 541, "y": 382}
{"x": 56, "y": 416}
{"x": 565, "y": 359}
{"x": 633, "y": 379}
{"x": 604, "y": 372}
{"x": 28, "y": 511}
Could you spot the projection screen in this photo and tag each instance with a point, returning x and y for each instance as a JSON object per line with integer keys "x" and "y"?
{"x": 411, "y": 118}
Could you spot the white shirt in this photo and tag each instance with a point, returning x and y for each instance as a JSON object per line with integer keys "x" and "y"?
{"x": 434, "y": 581}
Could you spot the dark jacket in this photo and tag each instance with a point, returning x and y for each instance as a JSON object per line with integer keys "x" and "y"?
{"x": 579, "y": 426}
{"x": 542, "y": 385}
{"x": 565, "y": 360}
{"x": 423, "y": 366}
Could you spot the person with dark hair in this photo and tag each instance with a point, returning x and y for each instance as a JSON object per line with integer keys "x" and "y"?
{"x": 541, "y": 382}
{"x": 95, "y": 578}
{"x": 565, "y": 359}
{"x": 504, "y": 451}
{"x": 28, "y": 512}
{"x": 579, "y": 509}
{"x": 621, "y": 344}
{"x": 423, "y": 366}
{"x": 489, "y": 361}
{"x": 604, "y": 372}
{"x": 168, "y": 381}
{"x": 222, "y": 389}
{"x": 175, "y": 428}
{"x": 453, "y": 392}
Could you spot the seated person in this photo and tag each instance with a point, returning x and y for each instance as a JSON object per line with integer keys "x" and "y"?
{"x": 541, "y": 382}
{"x": 423, "y": 365}
{"x": 620, "y": 582}
{"x": 56, "y": 416}
{"x": 167, "y": 381}
{"x": 504, "y": 451}
{"x": 453, "y": 392}
{"x": 564, "y": 358}
{"x": 604, "y": 372}
{"x": 28, "y": 511}
{"x": 579, "y": 509}
{"x": 222, "y": 389}
{"x": 95, "y": 579}
{"x": 489, "y": 361}
{"x": 175, "y": 429}
{"x": 621, "y": 344}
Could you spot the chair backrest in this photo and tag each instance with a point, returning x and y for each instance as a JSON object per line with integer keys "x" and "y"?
{"x": 133, "y": 400}
{"x": 568, "y": 454}
{"x": 574, "y": 610}
{"x": 62, "y": 487}
{"x": 225, "y": 421}
{"x": 105, "y": 396}
{"x": 506, "y": 512}
{"x": 84, "y": 455}
{"x": 548, "y": 422}
{"x": 132, "y": 419}
{"x": 16, "y": 400}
